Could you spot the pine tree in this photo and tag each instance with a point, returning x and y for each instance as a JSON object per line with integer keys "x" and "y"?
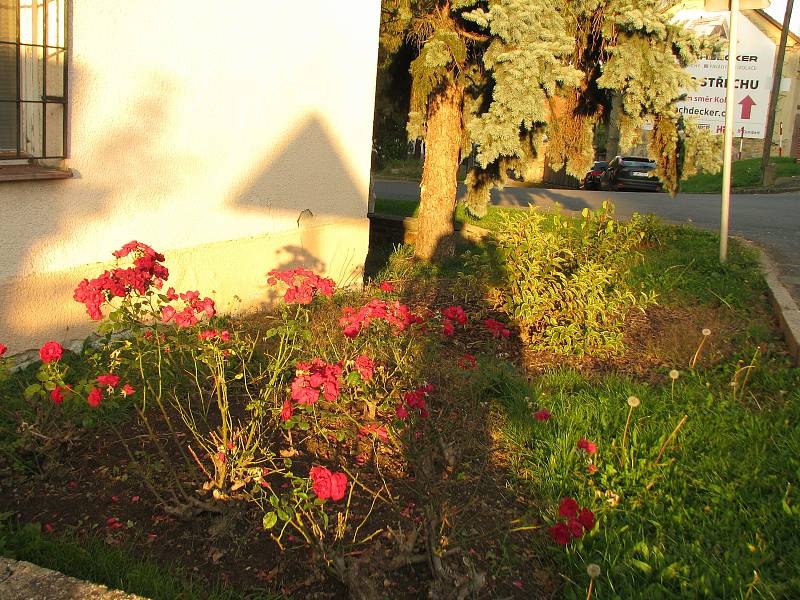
{"x": 506, "y": 75}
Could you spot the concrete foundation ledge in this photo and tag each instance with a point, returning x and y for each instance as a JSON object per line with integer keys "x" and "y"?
{"x": 25, "y": 581}
{"x": 785, "y": 308}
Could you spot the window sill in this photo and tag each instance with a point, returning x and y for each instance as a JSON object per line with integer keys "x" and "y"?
{"x": 31, "y": 173}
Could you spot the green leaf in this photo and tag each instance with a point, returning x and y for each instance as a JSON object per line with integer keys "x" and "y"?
{"x": 32, "y": 390}
{"x": 269, "y": 520}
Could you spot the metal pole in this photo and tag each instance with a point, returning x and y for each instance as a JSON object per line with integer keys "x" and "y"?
{"x": 727, "y": 155}
{"x": 777, "y": 72}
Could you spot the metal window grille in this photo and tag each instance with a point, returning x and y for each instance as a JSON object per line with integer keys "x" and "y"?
{"x": 33, "y": 79}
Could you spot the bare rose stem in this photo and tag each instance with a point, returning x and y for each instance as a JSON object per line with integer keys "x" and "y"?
{"x": 671, "y": 435}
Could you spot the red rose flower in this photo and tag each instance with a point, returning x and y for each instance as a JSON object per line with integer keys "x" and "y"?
{"x": 447, "y": 327}
{"x": 94, "y": 397}
{"x": 586, "y": 518}
{"x": 57, "y": 395}
{"x": 542, "y": 415}
{"x": 560, "y": 533}
{"x": 568, "y": 508}
{"x": 338, "y": 486}
{"x": 51, "y": 351}
{"x": 467, "y": 362}
{"x": 108, "y": 380}
{"x": 321, "y": 482}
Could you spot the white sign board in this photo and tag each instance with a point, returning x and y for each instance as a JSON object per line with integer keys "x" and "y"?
{"x": 755, "y": 57}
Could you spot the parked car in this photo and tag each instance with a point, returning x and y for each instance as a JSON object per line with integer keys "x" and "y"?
{"x": 630, "y": 173}
{"x": 592, "y": 179}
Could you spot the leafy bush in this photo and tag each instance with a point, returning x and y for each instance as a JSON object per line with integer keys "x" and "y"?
{"x": 564, "y": 279}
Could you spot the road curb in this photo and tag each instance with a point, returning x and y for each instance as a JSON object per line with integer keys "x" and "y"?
{"x": 785, "y": 307}
{"x": 25, "y": 581}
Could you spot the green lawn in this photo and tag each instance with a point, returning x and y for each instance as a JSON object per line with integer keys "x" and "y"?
{"x": 746, "y": 173}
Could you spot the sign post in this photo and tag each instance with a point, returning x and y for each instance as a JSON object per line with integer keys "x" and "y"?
{"x": 747, "y": 105}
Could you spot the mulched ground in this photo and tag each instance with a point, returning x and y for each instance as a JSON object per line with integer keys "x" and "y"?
{"x": 454, "y": 503}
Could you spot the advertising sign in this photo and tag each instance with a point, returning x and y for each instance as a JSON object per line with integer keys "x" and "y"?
{"x": 755, "y": 57}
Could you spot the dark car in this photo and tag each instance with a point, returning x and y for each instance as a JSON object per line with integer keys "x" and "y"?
{"x": 630, "y": 173}
{"x": 592, "y": 179}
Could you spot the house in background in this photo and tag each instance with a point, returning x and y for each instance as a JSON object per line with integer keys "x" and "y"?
{"x": 233, "y": 137}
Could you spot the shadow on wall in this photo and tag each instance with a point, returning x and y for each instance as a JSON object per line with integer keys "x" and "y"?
{"x": 309, "y": 166}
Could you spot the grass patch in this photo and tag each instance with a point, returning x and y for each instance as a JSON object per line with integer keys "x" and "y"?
{"x": 685, "y": 270}
{"x": 410, "y": 208}
{"x": 746, "y": 173}
{"x": 716, "y": 516}
{"x": 93, "y": 560}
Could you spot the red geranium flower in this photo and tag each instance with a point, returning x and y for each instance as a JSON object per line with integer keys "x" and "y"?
{"x": 387, "y": 287}
{"x": 94, "y": 397}
{"x": 3, "y": 349}
{"x": 589, "y": 447}
{"x": 51, "y": 351}
{"x": 575, "y": 528}
{"x": 127, "y": 390}
{"x": 568, "y": 508}
{"x": 447, "y": 327}
{"x": 542, "y": 415}
{"x": 560, "y": 533}
{"x": 586, "y": 518}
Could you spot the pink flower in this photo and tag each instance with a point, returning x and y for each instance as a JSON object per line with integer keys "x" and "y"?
{"x": 560, "y": 533}
{"x": 167, "y": 314}
{"x": 51, "y": 351}
{"x": 57, "y": 395}
{"x": 387, "y": 287}
{"x": 365, "y": 367}
{"x": 327, "y": 484}
{"x": 589, "y": 447}
{"x": 94, "y": 397}
{"x": 568, "y": 508}
{"x": 287, "y": 411}
{"x": 171, "y": 295}
{"x": 542, "y": 415}
{"x": 127, "y": 390}
{"x": 108, "y": 380}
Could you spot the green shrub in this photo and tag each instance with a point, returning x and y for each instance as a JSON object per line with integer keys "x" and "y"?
{"x": 564, "y": 279}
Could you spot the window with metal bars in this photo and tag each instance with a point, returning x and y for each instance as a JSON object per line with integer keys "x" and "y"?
{"x": 33, "y": 79}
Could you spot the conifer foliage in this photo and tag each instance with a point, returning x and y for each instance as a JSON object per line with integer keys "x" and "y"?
{"x": 522, "y": 79}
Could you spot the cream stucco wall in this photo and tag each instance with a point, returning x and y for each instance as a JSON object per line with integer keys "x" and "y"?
{"x": 204, "y": 129}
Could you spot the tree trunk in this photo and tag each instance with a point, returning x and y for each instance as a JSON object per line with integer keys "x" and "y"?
{"x": 439, "y": 174}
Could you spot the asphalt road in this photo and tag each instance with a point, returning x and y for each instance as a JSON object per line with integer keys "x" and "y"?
{"x": 770, "y": 220}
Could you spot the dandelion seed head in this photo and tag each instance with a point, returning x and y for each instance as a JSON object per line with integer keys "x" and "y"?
{"x": 674, "y": 374}
{"x": 633, "y": 401}
{"x": 706, "y": 332}
{"x": 593, "y": 570}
